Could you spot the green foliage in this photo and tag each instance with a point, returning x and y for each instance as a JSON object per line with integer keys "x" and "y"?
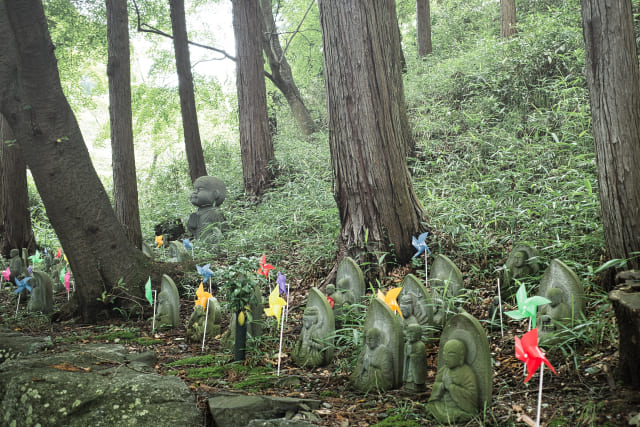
{"x": 239, "y": 282}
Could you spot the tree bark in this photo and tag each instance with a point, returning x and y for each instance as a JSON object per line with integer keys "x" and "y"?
{"x": 614, "y": 92}
{"x": 626, "y": 304}
{"x": 48, "y": 134}
{"x": 125, "y": 187}
{"x": 507, "y": 18}
{"x": 368, "y": 127}
{"x": 193, "y": 144}
{"x": 423, "y": 27}
{"x": 281, "y": 71}
{"x": 255, "y": 140}
{"x": 15, "y": 220}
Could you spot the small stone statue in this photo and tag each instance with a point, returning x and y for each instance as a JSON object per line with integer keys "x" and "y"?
{"x": 415, "y": 302}
{"x": 195, "y": 326}
{"x": 42, "y": 293}
{"x": 15, "y": 264}
{"x": 168, "y": 304}
{"x": 350, "y": 281}
{"x": 454, "y": 396}
{"x": 415, "y": 359}
{"x": 208, "y": 221}
{"x": 338, "y": 299}
{"x": 445, "y": 275}
{"x": 374, "y": 370}
{"x": 314, "y": 346}
{"x": 177, "y": 252}
{"x": 555, "y": 312}
{"x": 564, "y": 289}
{"x": 522, "y": 262}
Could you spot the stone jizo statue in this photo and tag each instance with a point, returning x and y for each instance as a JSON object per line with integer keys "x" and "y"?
{"x": 415, "y": 359}
{"x": 315, "y": 344}
{"x": 563, "y": 288}
{"x": 42, "y": 293}
{"x": 522, "y": 262}
{"x": 15, "y": 265}
{"x": 374, "y": 370}
{"x": 195, "y": 326}
{"x": 208, "y": 221}
{"x": 168, "y": 304}
{"x": 415, "y": 303}
{"x": 454, "y": 396}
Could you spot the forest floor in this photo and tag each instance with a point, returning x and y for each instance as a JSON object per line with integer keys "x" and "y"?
{"x": 584, "y": 391}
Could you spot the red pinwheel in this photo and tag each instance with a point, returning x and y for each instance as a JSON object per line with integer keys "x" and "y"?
{"x": 264, "y": 267}
{"x": 528, "y": 351}
{"x": 331, "y": 301}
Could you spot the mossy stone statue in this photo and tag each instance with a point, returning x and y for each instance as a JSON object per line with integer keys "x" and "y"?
{"x": 208, "y": 222}
{"x": 168, "y": 304}
{"x": 315, "y": 345}
{"x": 41, "y": 294}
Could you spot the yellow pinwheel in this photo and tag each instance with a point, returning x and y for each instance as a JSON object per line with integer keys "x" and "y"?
{"x": 202, "y": 297}
{"x": 275, "y": 304}
{"x": 159, "y": 241}
{"x": 391, "y": 299}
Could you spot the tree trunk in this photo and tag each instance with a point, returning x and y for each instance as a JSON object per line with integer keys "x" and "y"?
{"x": 378, "y": 208}
{"x": 507, "y": 18}
{"x": 255, "y": 141}
{"x": 15, "y": 220}
{"x": 626, "y": 304}
{"x": 614, "y": 91}
{"x": 48, "y": 134}
{"x": 125, "y": 187}
{"x": 193, "y": 145}
{"x": 281, "y": 71}
{"x": 423, "y": 27}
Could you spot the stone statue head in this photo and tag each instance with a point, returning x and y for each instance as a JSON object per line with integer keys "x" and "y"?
{"x": 414, "y": 332}
{"x": 331, "y": 289}
{"x": 14, "y": 253}
{"x": 555, "y": 295}
{"x": 208, "y": 191}
{"x": 406, "y": 304}
{"x": 310, "y": 317}
{"x": 374, "y": 338}
{"x": 519, "y": 259}
{"x": 454, "y": 353}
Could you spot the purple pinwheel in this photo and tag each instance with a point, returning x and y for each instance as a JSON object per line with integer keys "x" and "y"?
{"x": 282, "y": 284}
{"x": 420, "y": 244}
{"x": 187, "y": 244}
{"x": 23, "y": 284}
{"x": 205, "y": 271}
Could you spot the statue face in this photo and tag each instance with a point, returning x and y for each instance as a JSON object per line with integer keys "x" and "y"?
{"x": 203, "y": 194}
{"x": 373, "y": 340}
{"x": 405, "y": 307}
{"x": 308, "y": 320}
{"x": 453, "y": 354}
{"x": 519, "y": 259}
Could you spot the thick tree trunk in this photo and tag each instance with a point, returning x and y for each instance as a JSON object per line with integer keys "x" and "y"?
{"x": 255, "y": 140}
{"x": 507, "y": 18}
{"x": 614, "y": 91}
{"x": 47, "y": 132}
{"x": 125, "y": 187}
{"x": 423, "y": 27}
{"x": 378, "y": 208}
{"x": 281, "y": 71}
{"x": 193, "y": 144}
{"x": 15, "y": 221}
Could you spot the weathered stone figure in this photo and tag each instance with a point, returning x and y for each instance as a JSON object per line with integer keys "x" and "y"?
{"x": 564, "y": 289}
{"x": 522, "y": 262}
{"x": 15, "y": 264}
{"x": 415, "y": 303}
{"x": 208, "y": 221}
{"x": 195, "y": 326}
{"x": 374, "y": 370}
{"x": 168, "y": 304}
{"x": 314, "y": 346}
{"x": 464, "y": 378}
{"x": 177, "y": 252}
{"x": 446, "y": 285}
{"x": 455, "y": 392}
{"x": 350, "y": 281}
{"x": 42, "y": 293}
{"x": 415, "y": 359}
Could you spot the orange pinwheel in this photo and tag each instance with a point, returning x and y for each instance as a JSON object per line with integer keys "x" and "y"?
{"x": 159, "y": 241}
{"x": 202, "y": 297}
{"x": 391, "y": 299}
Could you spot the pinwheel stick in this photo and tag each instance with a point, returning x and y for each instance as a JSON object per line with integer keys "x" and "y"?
{"x": 500, "y": 305}
{"x": 153, "y": 325}
{"x": 540, "y": 396}
{"x": 426, "y": 270}
{"x": 17, "y": 306}
{"x": 280, "y": 348}
{"x": 286, "y": 308}
{"x": 206, "y": 320}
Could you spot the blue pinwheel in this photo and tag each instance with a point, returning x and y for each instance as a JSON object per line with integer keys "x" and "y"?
{"x": 187, "y": 244}
{"x": 23, "y": 284}
{"x": 527, "y": 306}
{"x": 205, "y": 271}
{"x": 282, "y": 284}
{"x": 420, "y": 244}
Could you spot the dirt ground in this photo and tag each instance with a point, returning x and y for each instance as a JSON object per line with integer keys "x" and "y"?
{"x": 584, "y": 391}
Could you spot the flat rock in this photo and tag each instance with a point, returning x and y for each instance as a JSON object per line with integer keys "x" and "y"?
{"x": 91, "y": 384}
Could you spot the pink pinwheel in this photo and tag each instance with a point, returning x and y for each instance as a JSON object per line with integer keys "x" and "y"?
{"x": 528, "y": 351}
{"x": 67, "y": 280}
{"x": 7, "y": 275}
{"x": 264, "y": 267}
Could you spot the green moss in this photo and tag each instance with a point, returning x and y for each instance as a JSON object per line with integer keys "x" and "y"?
{"x": 117, "y": 335}
{"x": 396, "y": 421}
{"x": 329, "y": 393}
{"x": 197, "y": 360}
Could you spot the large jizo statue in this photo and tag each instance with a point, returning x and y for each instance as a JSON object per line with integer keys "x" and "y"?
{"x": 208, "y": 222}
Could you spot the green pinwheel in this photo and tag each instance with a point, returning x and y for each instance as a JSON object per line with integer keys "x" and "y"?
{"x": 527, "y": 306}
{"x": 35, "y": 259}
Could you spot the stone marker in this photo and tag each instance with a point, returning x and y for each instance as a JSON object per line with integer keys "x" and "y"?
{"x": 195, "y": 326}
{"x": 445, "y": 277}
{"x": 146, "y": 249}
{"x": 42, "y": 293}
{"x": 208, "y": 222}
{"x": 350, "y": 281}
{"x": 379, "y": 366}
{"x": 315, "y": 344}
{"x": 177, "y": 252}
{"x": 168, "y": 314}
{"x": 562, "y": 287}
{"x": 464, "y": 379}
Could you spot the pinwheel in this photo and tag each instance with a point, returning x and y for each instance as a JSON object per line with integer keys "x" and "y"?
{"x": 6, "y": 274}
{"x": 206, "y": 273}
{"x": 264, "y": 267}
{"x": 391, "y": 299}
{"x": 22, "y": 285}
{"x": 202, "y": 297}
{"x": 331, "y": 301}
{"x": 528, "y": 351}
{"x": 187, "y": 244}
{"x": 59, "y": 253}
{"x": 149, "y": 294}
{"x": 67, "y": 281}
{"x": 35, "y": 259}
{"x": 421, "y": 246}
{"x": 527, "y": 306}
{"x": 159, "y": 241}
{"x": 275, "y": 305}
{"x": 283, "y": 288}
{"x": 62, "y": 273}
